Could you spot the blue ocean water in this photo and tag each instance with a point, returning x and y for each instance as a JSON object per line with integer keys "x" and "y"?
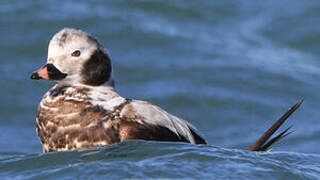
{"x": 231, "y": 68}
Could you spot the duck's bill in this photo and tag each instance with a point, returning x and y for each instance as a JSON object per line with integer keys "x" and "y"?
{"x": 48, "y": 72}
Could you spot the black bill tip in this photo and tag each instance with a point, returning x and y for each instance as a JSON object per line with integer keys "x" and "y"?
{"x": 35, "y": 76}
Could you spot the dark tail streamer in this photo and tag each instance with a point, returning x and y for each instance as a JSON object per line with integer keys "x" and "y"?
{"x": 262, "y": 144}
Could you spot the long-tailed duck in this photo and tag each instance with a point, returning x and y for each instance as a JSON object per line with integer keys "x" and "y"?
{"x": 83, "y": 110}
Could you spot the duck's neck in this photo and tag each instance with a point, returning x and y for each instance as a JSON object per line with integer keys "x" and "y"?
{"x": 103, "y": 95}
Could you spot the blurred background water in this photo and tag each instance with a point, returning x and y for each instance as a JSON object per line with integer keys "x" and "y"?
{"x": 231, "y": 68}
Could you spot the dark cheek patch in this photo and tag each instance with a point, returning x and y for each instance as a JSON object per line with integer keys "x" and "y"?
{"x": 97, "y": 69}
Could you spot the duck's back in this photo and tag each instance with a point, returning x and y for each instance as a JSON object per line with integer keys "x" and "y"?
{"x": 72, "y": 118}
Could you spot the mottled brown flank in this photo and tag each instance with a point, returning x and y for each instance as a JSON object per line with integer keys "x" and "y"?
{"x": 70, "y": 124}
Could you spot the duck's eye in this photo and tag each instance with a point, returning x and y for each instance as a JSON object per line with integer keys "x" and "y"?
{"x": 76, "y": 53}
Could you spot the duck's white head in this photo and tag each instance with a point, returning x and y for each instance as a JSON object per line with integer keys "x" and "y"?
{"x": 76, "y": 57}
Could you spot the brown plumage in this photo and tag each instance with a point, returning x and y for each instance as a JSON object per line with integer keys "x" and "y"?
{"x": 67, "y": 124}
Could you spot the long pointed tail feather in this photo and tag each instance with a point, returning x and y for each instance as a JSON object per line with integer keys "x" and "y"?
{"x": 276, "y": 139}
{"x": 261, "y": 145}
